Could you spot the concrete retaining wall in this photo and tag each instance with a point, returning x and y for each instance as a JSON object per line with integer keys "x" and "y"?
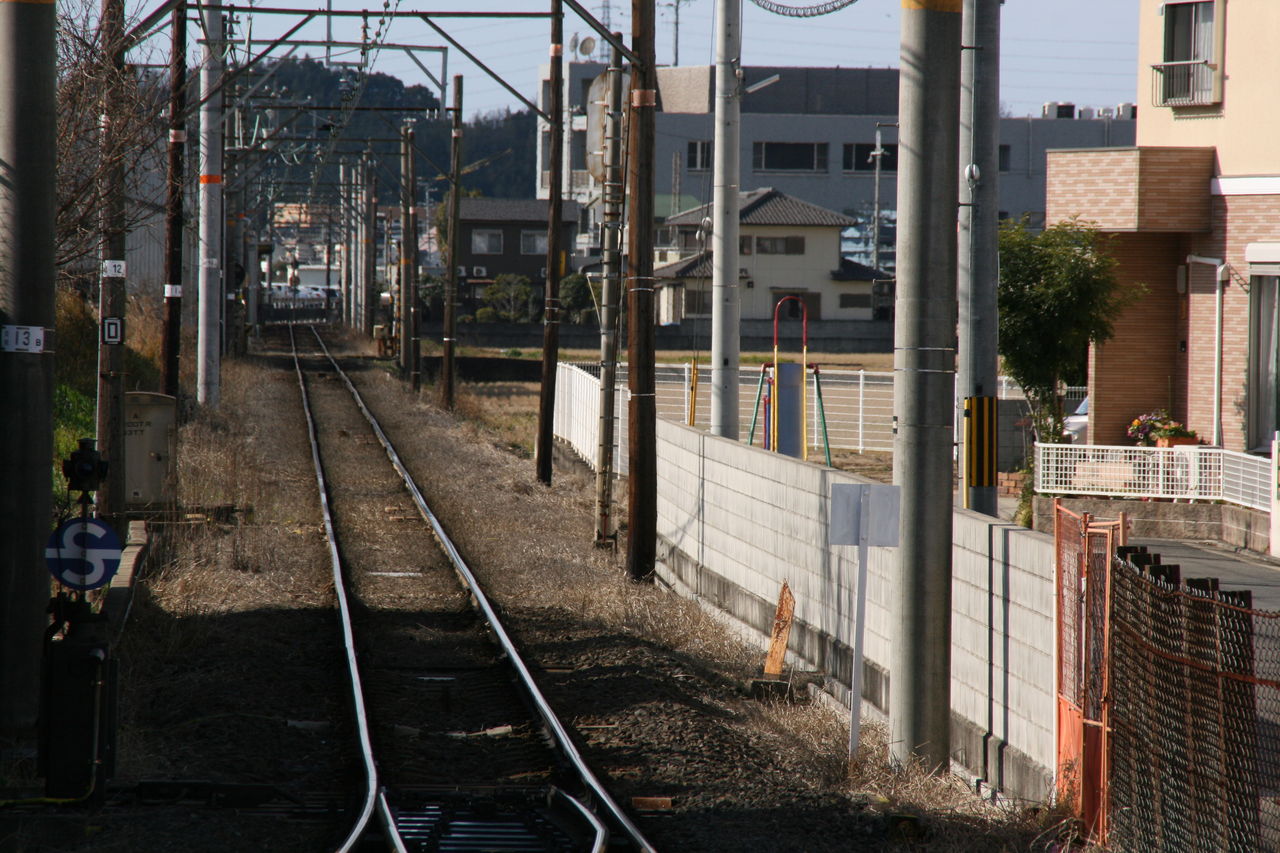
{"x": 734, "y": 522}
{"x": 1233, "y": 525}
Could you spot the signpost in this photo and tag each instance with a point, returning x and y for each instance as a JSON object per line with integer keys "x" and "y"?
{"x": 866, "y": 516}
{"x": 83, "y": 554}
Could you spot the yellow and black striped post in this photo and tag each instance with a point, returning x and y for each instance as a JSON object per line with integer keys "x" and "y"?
{"x": 981, "y": 423}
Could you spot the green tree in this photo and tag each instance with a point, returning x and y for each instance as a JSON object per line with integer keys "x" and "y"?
{"x": 1058, "y": 294}
{"x": 510, "y": 296}
{"x": 578, "y": 298}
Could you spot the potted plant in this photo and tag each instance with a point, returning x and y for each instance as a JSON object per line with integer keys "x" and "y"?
{"x": 1158, "y": 429}
{"x": 1173, "y": 434}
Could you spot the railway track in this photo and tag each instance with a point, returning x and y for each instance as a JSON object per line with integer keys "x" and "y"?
{"x": 458, "y": 748}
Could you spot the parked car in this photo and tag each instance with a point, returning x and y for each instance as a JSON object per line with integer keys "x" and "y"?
{"x": 1076, "y": 424}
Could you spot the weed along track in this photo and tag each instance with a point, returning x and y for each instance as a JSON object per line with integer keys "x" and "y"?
{"x": 459, "y": 748}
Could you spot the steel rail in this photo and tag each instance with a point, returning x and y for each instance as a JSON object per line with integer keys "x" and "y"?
{"x": 549, "y": 718}
{"x": 373, "y": 795}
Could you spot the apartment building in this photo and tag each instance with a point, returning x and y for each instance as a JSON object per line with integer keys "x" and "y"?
{"x": 1193, "y": 215}
{"x": 808, "y": 133}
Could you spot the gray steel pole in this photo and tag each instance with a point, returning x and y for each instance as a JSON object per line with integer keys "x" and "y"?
{"x": 924, "y": 366}
{"x": 406, "y": 271}
{"x": 371, "y": 292}
{"x": 611, "y": 287}
{"x": 725, "y": 296}
{"x": 453, "y": 235}
{"x": 209, "y": 334}
{"x": 979, "y": 252}
{"x": 544, "y": 440}
{"x": 27, "y": 164}
{"x": 111, "y": 292}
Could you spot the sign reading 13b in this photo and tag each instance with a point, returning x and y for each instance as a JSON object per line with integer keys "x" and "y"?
{"x": 83, "y": 553}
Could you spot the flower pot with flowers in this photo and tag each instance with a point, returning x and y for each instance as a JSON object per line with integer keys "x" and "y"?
{"x": 1158, "y": 429}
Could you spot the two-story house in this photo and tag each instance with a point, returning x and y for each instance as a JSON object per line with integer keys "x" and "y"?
{"x": 507, "y": 236}
{"x": 787, "y": 247}
{"x": 1193, "y": 212}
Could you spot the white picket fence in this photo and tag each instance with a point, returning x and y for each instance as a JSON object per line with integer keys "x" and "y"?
{"x": 1190, "y": 472}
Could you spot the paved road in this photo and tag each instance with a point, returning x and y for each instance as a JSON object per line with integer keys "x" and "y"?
{"x": 1234, "y": 569}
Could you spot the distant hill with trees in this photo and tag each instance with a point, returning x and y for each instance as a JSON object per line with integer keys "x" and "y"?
{"x": 502, "y": 143}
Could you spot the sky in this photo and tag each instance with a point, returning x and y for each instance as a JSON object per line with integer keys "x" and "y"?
{"x": 1078, "y": 51}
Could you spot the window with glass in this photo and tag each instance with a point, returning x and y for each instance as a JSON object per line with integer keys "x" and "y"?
{"x": 1264, "y": 360}
{"x": 486, "y": 241}
{"x": 533, "y": 241}
{"x": 780, "y": 245}
{"x": 789, "y": 156}
{"x": 699, "y": 156}
{"x": 1189, "y": 74}
{"x": 858, "y": 157}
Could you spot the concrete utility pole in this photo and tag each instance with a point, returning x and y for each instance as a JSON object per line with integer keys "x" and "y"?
{"x": 28, "y": 136}
{"x": 453, "y": 234}
{"x": 726, "y": 305}
{"x": 551, "y": 305}
{"x": 979, "y": 250}
{"x": 924, "y": 364}
{"x": 642, "y": 478}
{"x": 415, "y": 320}
{"x": 372, "y": 296}
{"x": 174, "y": 214}
{"x": 111, "y": 292}
{"x": 406, "y": 269}
{"x": 209, "y": 334}
{"x": 611, "y": 273}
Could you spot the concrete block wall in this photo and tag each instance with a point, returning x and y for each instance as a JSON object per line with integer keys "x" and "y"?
{"x": 734, "y": 522}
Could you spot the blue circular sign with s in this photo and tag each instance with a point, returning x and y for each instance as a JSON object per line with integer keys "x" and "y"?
{"x": 83, "y": 553}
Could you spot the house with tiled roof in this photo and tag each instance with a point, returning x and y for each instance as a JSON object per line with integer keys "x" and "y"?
{"x": 787, "y": 247}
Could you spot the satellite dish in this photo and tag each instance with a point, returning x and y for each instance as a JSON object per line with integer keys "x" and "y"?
{"x": 587, "y": 46}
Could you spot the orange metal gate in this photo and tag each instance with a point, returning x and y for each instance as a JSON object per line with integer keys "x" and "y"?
{"x": 1084, "y": 549}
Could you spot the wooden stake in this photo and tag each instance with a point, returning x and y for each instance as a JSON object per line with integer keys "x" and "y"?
{"x": 781, "y": 632}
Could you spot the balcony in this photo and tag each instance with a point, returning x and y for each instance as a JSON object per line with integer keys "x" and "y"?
{"x": 1191, "y": 83}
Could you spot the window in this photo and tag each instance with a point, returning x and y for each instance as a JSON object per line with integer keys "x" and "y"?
{"x": 696, "y": 301}
{"x": 857, "y": 157}
{"x": 1264, "y": 360}
{"x": 699, "y": 155}
{"x": 1189, "y": 74}
{"x": 1006, "y": 156}
{"x": 789, "y": 156}
{"x": 855, "y": 300}
{"x": 486, "y": 241}
{"x": 532, "y": 242}
{"x": 779, "y": 245}
{"x": 744, "y": 245}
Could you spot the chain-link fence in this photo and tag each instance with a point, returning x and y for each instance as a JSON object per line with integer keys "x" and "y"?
{"x": 1194, "y": 714}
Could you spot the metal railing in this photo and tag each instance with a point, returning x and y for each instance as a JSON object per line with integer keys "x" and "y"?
{"x": 1190, "y": 472}
{"x": 1185, "y": 84}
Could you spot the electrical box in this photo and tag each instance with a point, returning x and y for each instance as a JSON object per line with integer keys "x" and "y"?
{"x": 150, "y": 441}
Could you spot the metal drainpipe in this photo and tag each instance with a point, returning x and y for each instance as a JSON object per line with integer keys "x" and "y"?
{"x": 1221, "y": 275}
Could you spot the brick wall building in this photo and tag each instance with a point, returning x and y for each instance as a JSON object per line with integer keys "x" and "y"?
{"x": 1193, "y": 216}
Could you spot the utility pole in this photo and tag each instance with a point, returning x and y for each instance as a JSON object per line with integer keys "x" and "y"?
{"x": 28, "y": 136}
{"x": 611, "y": 274}
{"x": 209, "y": 335}
{"x": 726, "y": 305}
{"x": 924, "y": 364}
{"x": 111, "y": 293}
{"x": 979, "y": 251}
{"x": 453, "y": 232}
{"x": 371, "y": 293}
{"x": 551, "y": 304}
{"x": 642, "y": 478}
{"x": 406, "y": 270}
{"x": 174, "y": 218}
{"x": 415, "y": 321}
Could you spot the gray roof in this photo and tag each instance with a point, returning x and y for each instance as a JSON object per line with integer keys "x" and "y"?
{"x": 767, "y": 206}
{"x": 694, "y": 266}
{"x": 512, "y": 210}
{"x": 854, "y": 271}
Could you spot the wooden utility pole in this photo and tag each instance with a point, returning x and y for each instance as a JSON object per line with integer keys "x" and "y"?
{"x": 28, "y": 137}
{"x": 370, "y": 294}
{"x": 111, "y": 295}
{"x": 451, "y": 274}
{"x": 173, "y": 205}
{"x": 551, "y": 309}
{"x": 642, "y": 478}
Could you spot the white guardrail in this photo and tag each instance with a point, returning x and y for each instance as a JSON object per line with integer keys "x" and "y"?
{"x": 1189, "y": 472}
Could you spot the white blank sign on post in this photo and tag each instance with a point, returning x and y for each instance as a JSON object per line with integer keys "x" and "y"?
{"x": 862, "y": 515}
